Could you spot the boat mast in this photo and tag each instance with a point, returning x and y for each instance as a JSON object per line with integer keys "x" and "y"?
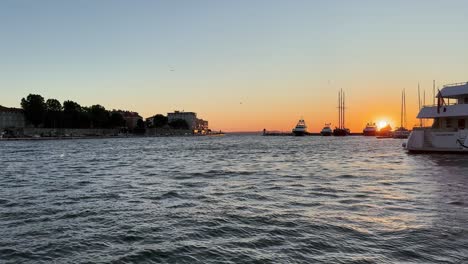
{"x": 433, "y": 92}
{"x": 404, "y": 107}
{"x": 344, "y": 127}
{"x": 419, "y": 103}
{"x": 401, "y": 110}
{"x": 339, "y": 109}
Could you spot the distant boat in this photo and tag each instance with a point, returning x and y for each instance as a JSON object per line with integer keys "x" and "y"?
{"x": 370, "y": 130}
{"x": 341, "y": 131}
{"x": 385, "y": 132}
{"x": 300, "y": 129}
{"x": 402, "y": 132}
{"x": 326, "y": 131}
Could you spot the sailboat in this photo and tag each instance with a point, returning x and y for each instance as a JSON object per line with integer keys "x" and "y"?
{"x": 402, "y": 132}
{"x": 341, "y": 131}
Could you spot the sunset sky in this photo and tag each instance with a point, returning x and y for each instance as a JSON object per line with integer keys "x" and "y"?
{"x": 242, "y": 65}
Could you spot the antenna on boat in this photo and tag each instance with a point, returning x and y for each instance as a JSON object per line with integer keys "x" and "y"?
{"x": 433, "y": 92}
{"x": 424, "y": 103}
{"x": 404, "y": 106}
{"x": 419, "y": 103}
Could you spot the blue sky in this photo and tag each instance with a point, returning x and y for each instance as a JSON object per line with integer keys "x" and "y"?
{"x": 241, "y": 64}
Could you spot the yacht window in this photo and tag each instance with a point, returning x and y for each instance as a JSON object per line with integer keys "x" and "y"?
{"x": 465, "y": 101}
{"x": 448, "y": 123}
{"x": 461, "y": 123}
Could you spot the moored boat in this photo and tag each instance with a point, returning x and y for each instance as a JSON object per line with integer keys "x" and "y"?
{"x": 326, "y": 131}
{"x": 448, "y": 132}
{"x": 341, "y": 130}
{"x": 370, "y": 130}
{"x": 402, "y": 132}
{"x": 300, "y": 129}
{"x": 385, "y": 132}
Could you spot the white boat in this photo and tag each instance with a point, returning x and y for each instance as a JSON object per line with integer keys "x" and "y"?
{"x": 448, "y": 132}
{"x": 370, "y": 130}
{"x": 326, "y": 131}
{"x": 300, "y": 129}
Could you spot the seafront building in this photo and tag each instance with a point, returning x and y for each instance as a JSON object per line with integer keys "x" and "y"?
{"x": 11, "y": 118}
{"x": 131, "y": 118}
{"x": 194, "y": 123}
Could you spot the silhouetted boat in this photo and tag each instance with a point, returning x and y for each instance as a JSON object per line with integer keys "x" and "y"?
{"x": 300, "y": 129}
{"x": 370, "y": 130}
{"x": 341, "y": 131}
{"x": 385, "y": 132}
{"x": 326, "y": 131}
{"x": 402, "y": 132}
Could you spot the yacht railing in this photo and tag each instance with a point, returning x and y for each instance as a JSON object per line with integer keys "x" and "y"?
{"x": 445, "y": 104}
{"x": 455, "y": 84}
{"x": 451, "y": 129}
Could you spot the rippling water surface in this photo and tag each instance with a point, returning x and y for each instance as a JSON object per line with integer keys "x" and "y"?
{"x": 232, "y": 199}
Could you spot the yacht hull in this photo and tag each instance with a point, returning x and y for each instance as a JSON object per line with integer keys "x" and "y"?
{"x": 299, "y": 133}
{"x": 369, "y": 133}
{"x": 437, "y": 141}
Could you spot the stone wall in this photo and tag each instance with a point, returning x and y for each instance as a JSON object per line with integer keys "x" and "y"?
{"x": 75, "y": 132}
{"x": 167, "y": 132}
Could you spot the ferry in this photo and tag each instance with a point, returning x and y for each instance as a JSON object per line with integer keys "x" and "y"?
{"x": 370, "y": 130}
{"x": 300, "y": 129}
{"x": 326, "y": 131}
{"x": 448, "y": 132}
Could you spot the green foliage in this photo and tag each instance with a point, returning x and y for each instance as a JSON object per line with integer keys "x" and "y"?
{"x": 53, "y": 116}
{"x": 179, "y": 124}
{"x": 116, "y": 120}
{"x": 98, "y": 116}
{"x": 159, "y": 120}
{"x": 34, "y": 108}
{"x": 73, "y": 114}
{"x": 53, "y": 105}
{"x": 140, "y": 124}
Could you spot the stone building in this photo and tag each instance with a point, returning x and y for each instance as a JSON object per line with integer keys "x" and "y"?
{"x": 193, "y": 122}
{"x": 11, "y": 118}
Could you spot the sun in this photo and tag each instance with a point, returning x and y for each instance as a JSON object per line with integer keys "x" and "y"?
{"x": 381, "y": 124}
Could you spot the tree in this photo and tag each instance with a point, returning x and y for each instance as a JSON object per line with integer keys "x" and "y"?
{"x": 53, "y": 115}
{"x": 99, "y": 116}
{"x": 53, "y": 105}
{"x": 140, "y": 124}
{"x": 116, "y": 120}
{"x": 159, "y": 120}
{"x": 34, "y": 108}
{"x": 72, "y": 113}
{"x": 179, "y": 124}
{"x": 140, "y": 127}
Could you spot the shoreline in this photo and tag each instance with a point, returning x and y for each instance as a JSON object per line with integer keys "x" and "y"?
{"x": 100, "y": 137}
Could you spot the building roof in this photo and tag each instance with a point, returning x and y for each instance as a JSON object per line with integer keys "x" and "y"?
{"x": 458, "y": 110}
{"x": 454, "y": 90}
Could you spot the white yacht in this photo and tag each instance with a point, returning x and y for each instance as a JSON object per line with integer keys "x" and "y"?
{"x": 370, "y": 130}
{"x": 300, "y": 129}
{"x": 448, "y": 132}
